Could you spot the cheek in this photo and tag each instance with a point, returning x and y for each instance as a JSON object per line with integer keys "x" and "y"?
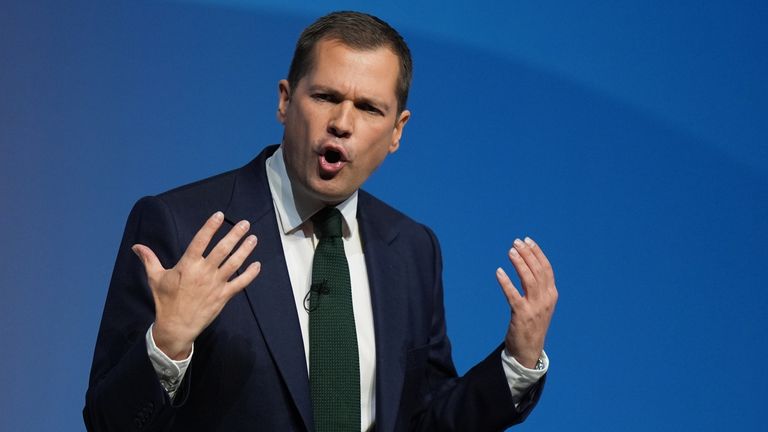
{"x": 376, "y": 155}
{"x": 312, "y": 115}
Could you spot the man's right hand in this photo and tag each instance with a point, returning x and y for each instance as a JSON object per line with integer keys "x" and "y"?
{"x": 189, "y": 296}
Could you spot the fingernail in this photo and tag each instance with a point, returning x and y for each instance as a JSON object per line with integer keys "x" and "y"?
{"x": 518, "y": 242}
{"x": 243, "y": 225}
{"x": 529, "y": 241}
{"x": 500, "y": 272}
{"x": 514, "y": 252}
{"x": 218, "y": 216}
{"x": 135, "y": 250}
{"x": 251, "y": 240}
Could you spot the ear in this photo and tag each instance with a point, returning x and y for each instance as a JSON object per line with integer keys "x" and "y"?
{"x": 397, "y": 132}
{"x": 283, "y": 99}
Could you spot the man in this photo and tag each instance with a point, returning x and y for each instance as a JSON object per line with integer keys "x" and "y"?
{"x": 206, "y": 331}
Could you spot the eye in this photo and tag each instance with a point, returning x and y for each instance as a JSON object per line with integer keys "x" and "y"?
{"x": 369, "y": 109}
{"x": 323, "y": 97}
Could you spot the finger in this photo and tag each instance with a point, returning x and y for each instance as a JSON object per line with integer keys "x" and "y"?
{"x": 530, "y": 259}
{"x": 225, "y": 246}
{"x": 201, "y": 239}
{"x": 237, "y": 284}
{"x": 513, "y": 296}
{"x": 151, "y": 263}
{"x": 238, "y": 258}
{"x": 545, "y": 265}
{"x": 523, "y": 271}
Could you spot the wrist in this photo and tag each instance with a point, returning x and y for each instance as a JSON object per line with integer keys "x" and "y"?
{"x": 174, "y": 347}
{"x": 528, "y": 360}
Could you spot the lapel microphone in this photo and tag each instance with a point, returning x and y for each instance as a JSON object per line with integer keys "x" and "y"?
{"x": 312, "y": 299}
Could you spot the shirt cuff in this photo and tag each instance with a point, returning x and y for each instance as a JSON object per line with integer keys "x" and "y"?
{"x": 170, "y": 372}
{"x": 519, "y": 377}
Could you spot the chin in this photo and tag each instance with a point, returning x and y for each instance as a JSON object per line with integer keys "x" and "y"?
{"x": 332, "y": 198}
{"x": 329, "y": 194}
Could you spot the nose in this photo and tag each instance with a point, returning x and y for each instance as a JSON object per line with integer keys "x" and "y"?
{"x": 341, "y": 122}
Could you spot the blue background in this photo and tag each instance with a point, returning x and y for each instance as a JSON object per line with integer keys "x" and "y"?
{"x": 629, "y": 138}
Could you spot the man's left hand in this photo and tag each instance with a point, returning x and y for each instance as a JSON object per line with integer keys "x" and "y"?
{"x": 531, "y": 312}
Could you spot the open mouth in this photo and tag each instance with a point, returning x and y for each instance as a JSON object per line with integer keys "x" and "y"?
{"x": 332, "y": 156}
{"x": 331, "y": 161}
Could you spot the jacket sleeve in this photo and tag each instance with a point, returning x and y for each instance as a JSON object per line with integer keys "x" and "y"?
{"x": 124, "y": 393}
{"x": 478, "y": 401}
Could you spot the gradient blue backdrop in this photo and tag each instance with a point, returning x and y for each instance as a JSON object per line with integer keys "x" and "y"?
{"x": 629, "y": 138}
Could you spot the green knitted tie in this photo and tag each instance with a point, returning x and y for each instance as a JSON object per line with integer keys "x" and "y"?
{"x": 334, "y": 370}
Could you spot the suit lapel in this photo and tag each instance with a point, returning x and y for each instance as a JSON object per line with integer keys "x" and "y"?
{"x": 270, "y": 295}
{"x": 390, "y": 306}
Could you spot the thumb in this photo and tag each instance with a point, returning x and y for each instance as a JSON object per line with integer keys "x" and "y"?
{"x": 148, "y": 258}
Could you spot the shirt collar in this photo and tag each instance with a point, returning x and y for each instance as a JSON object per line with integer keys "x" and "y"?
{"x": 295, "y": 209}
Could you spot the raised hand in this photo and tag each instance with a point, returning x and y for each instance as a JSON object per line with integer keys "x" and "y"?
{"x": 189, "y": 296}
{"x": 532, "y": 312}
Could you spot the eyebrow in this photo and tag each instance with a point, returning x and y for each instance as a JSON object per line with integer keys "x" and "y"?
{"x": 317, "y": 88}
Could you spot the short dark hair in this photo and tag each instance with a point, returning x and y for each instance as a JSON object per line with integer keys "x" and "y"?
{"x": 358, "y": 31}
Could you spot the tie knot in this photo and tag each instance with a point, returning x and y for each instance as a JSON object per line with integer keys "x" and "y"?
{"x": 327, "y": 222}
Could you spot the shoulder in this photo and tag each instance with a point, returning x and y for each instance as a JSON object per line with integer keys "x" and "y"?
{"x": 187, "y": 207}
{"x": 220, "y": 192}
{"x": 211, "y": 192}
{"x": 393, "y": 224}
{"x": 180, "y": 210}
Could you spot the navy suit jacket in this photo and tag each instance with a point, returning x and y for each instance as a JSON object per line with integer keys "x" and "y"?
{"x": 248, "y": 372}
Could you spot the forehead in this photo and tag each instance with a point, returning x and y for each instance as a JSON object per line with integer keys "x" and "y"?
{"x": 373, "y": 72}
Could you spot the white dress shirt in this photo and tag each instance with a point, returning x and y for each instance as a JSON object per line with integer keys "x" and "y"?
{"x": 293, "y": 215}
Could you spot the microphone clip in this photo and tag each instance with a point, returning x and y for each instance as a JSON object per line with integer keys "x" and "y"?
{"x": 316, "y": 290}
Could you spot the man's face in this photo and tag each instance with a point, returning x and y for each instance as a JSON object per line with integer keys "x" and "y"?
{"x": 341, "y": 120}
